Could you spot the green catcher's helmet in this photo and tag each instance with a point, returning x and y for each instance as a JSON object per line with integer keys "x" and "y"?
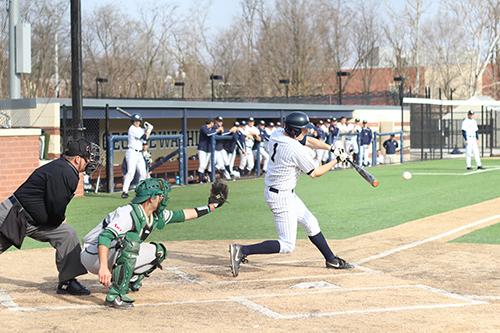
{"x": 150, "y": 188}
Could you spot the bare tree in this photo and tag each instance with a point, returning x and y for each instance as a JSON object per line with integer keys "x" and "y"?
{"x": 480, "y": 40}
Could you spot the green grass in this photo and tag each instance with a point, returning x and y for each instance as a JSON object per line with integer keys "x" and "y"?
{"x": 488, "y": 235}
{"x": 343, "y": 202}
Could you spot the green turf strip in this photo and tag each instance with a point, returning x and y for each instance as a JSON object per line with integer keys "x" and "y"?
{"x": 488, "y": 235}
{"x": 343, "y": 202}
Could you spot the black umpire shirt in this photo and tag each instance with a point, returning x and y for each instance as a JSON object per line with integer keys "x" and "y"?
{"x": 48, "y": 191}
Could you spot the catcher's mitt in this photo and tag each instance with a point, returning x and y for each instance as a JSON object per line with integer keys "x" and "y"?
{"x": 218, "y": 193}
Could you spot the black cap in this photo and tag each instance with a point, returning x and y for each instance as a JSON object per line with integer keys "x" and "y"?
{"x": 470, "y": 112}
{"x": 356, "y": 120}
{"x": 236, "y": 123}
{"x": 219, "y": 118}
{"x": 334, "y": 119}
{"x": 262, "y": 122}
{"x": 251, "y": 119}
{"x": 278, "y": 123}
{"x": 80, "y": 147}
{"x": 321, "y": 122}
{"x": 271, "y": 124}
{"x": 365, "y": 121}
{"x": 243, "y": 123}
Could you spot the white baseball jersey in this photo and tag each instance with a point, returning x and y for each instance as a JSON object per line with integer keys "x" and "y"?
{"x": 119, "y": 222}
{"x": 135, "y": 135}
{"x": 470, "y": 127}
{"x": 472, "y": 148}
{"x": 288, "y": 159}
{"x": 250, "y": 130}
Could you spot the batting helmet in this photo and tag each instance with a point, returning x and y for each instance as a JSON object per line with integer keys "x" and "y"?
{"x": 136, "y": 117}
{"x": 295, "y": 122}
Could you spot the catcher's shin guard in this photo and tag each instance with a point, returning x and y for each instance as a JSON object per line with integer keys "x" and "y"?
{"x": 124, "y": 268}
{"x": 136, "y": 280}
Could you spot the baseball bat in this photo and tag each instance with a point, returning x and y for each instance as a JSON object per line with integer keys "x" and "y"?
{"x": 123, "y": 112}
{"x": 365, "y": 174}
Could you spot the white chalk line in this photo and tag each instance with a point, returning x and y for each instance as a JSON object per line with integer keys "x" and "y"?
{"x": 183, "y": 275}
{"x": 245, "y": 300}
{"x": 468, "y": 173}
{"x": 7, "y": 301}
{"x": 291, "y": 278}
{"x": 263, "y": 310}
{"x": 484, "y": 297}
{"x": 427, "y": 240}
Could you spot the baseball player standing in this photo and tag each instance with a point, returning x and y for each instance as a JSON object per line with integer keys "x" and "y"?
{"x": 137, "y": 136}
{"x": 251, "y": 134}
{"x": 471, "y": 137}
{"x": 204, "y": 147}
{"x": 290, "y": 157}
{"x": 264, "y": 156}
{"x": 365, "y": 140}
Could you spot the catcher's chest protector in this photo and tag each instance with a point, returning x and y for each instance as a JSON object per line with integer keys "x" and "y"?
{"x": 141, "y": 228}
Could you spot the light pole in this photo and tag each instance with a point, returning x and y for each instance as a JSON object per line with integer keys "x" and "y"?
{"x": 286, "y": 82}
{"x": 180, "y": 84}
{"x": 214, "y": 77}
{"x": 99, "y": 80}
{"x": 339, "y": 75}
{"x": 401, "y": 80}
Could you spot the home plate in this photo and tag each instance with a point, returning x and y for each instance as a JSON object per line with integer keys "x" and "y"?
{"x": 314, "y": 285}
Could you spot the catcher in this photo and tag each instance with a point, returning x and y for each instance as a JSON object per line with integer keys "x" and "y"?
{"x": 115, "y": 249}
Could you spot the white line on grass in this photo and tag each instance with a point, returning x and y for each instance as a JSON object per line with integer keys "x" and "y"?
{"x": 469, "y": 173}
{"x": 427, "y": 240}
{"x": 7, "y": 301}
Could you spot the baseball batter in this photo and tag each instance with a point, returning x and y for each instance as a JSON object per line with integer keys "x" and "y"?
{"x": 290, "y": 157}
{"x": 471, "y": 137}
{"x": 115, "y": 249}
{"x": 137, "y": 136}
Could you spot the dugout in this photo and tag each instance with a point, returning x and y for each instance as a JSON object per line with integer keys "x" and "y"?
{"x": 172, "y": 117}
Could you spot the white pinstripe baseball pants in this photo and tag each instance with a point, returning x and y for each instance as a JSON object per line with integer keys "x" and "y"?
{"x": 288, "y": 210}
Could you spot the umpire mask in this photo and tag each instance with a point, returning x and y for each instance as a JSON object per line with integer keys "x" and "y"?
{"x": 93, "y": 158}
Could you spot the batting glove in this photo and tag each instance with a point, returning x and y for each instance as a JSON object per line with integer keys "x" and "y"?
{"x": 340, "y": 154}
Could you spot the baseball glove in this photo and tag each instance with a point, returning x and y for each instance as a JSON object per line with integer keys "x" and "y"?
{"x": 218, "y": 193}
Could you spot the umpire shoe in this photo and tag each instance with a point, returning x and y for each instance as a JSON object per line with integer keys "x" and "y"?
{"x": 338, "y": 263}
{"x": 236, "y": 258}
{"x": 480, "y": 167}
{"x": 118, "y": 303}
{"x": 72, "y": 287}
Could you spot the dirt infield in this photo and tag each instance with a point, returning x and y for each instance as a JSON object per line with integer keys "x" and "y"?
{"x": 408, "y": 279}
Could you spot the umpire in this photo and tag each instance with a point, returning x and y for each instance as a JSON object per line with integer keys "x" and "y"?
{"x": 37, "y": 209}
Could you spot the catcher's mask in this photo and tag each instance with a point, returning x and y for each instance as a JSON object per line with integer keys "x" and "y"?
{"x": 86, "y": 149}
{"x": 150, "y": 188}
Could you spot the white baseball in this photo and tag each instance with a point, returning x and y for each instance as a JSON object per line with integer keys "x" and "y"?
{"x": 407, "y": 175}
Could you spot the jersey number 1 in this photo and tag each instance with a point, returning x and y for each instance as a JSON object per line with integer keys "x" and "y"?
{"x": 274, "y": 151}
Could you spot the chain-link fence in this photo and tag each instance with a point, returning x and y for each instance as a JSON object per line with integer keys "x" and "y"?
{"x": 436, "y": 131}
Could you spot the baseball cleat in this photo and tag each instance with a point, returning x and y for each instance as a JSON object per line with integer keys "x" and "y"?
{"x": 72, "y": 287}
{"x": 124, "y": 195}
{"x": 236, "y": 258}
{"x": 480, "y": 167}
{"x": 469, "y": 168}
{"x": 338, "y": 263}
{"x": 118, "y": 303}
